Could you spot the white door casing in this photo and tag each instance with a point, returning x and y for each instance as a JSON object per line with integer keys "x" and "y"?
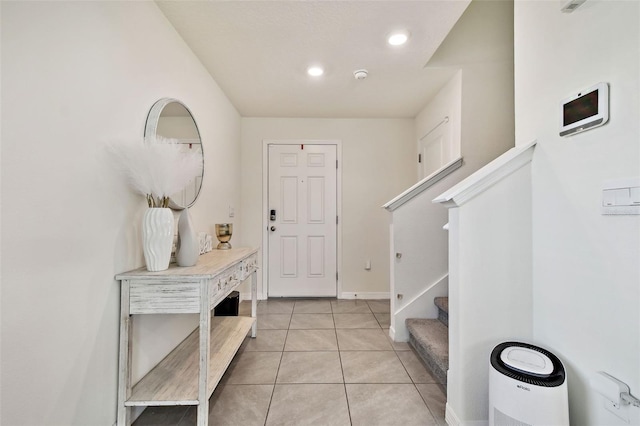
{"x": 301, "y": 242}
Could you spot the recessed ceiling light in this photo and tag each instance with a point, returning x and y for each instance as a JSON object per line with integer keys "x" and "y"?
{"x": 315, "y": 71}
{"x": 398, "y": 38}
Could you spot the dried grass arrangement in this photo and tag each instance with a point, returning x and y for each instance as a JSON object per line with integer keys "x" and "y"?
{"x": 156, "y": 168}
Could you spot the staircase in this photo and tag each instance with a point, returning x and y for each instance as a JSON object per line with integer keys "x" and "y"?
{"x": 430, "y": 339}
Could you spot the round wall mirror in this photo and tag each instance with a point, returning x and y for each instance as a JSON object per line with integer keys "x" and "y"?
{"x": 171, "y": 119}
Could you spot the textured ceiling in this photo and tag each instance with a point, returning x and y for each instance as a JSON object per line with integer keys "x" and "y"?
{"x": 258, "y": 52}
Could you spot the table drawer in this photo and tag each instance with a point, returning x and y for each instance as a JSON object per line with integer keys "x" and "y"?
{"x": 247, "y": 267}
{"x": 162, "y": 297}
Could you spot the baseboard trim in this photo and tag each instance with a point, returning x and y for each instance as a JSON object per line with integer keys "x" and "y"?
{"x": 247, "y": 296}
{"x": 392, "y": 333}
{"x": 450, "y": 416}
{"x": 344, "y": 295}
{"x": 453, "y": 420}
{"x": 364, "y": 295}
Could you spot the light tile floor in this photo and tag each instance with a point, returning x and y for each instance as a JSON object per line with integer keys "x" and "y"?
{"x": 319, "y": 362}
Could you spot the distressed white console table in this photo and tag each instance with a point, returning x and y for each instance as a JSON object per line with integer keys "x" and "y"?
{"x": 191, "y": 372}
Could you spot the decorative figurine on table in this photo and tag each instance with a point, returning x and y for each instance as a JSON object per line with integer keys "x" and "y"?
{"x": 223, "y": 232}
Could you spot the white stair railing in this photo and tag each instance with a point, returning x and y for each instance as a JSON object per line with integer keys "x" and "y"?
{"x": 418, "y": 256}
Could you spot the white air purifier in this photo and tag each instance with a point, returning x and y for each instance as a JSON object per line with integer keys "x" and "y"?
{"x": 527, "y": 387}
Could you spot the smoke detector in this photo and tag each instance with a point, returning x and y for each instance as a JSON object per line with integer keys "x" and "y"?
{"x": 360, "y": 74}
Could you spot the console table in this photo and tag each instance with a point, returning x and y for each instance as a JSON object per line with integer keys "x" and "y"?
{"x": 191, "y": 372}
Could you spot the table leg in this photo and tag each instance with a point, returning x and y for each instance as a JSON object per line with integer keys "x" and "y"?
{"x": 124, "y": 359}
{"x": 254, "y": 301}
{"x": 203, "y": 377}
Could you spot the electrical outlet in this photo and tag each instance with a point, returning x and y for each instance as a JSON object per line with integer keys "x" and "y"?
{"x": 232, "y": 211}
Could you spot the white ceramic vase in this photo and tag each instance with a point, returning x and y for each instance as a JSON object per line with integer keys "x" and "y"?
{"x": 157, "y": 238}
{"x": 188, "y": 248}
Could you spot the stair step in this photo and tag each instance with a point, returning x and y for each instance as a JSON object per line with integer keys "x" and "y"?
{"x": 430, "y": 339}
{"x": 443, "y": 309}
{"x": 442, "y": 303}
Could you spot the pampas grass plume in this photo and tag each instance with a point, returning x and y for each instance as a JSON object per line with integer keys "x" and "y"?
{"x": 157, "y": 167}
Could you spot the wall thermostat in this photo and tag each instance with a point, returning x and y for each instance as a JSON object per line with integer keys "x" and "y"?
{"x": 585, "y": 110}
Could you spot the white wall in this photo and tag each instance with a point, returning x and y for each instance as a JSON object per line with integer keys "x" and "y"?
{"x": 585, "y": 265}
{"x": 417, "y": 225}
{"x": 480, "y": 45}
{"x": 480, "y": 48}
{"x": 377, "y": 163}
{"x": 479, "y": 102}
{"x": 489, "y": 288}
{"x": 75, "y": 74}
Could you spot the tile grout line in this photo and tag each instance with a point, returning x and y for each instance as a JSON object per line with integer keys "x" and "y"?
{"x": 344, "y": 381}
{"x": 333, "y": 311}
{"x": 275, "y": 380}
{"x": 415, "y": 385}
{"x": 435, "y": 418}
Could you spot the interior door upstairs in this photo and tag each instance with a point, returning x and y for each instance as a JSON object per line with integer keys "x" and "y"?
{"x": 435, "y": 150}
{"x": 302, "y": 220}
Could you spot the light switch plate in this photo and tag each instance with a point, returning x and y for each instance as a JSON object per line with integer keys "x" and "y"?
{"x": 621, "y": 196}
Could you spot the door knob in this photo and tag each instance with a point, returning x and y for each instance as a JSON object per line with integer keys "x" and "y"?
{"x": 273, "y": 228}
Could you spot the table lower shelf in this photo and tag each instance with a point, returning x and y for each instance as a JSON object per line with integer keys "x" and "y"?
{"x": 174, "y": 381}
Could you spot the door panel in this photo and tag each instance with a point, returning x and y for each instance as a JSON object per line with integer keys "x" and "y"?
{"x": 316, "y": 199}
{"x": 289, "y": 257}
{"x": 315, "y": 253}
{"x": 435, "y": 150}
{"x": 289, "y": 202}
{"x": 302, "y": 238}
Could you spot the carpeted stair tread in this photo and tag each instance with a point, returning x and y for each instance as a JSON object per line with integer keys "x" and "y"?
{"x": 443, "y": 309}
{"x": 432, "y": 334}
{"x": 430, "y": 339}
{"x": 442, "y": 303}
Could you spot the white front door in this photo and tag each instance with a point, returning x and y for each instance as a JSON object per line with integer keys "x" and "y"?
{"x": 302, "y": 200}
